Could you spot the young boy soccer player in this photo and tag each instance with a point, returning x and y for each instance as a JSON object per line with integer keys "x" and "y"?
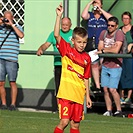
{"x": 74, "y": 78}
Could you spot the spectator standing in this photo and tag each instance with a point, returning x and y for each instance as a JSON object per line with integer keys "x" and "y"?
{"x": 126, "y": 81}
{"x": 74, "y": 77}
{"x": 9, "y": 57}
{"x": 111, "y": 67}
{"x": 97, "y": 22}
{"x": 66, "y": 33}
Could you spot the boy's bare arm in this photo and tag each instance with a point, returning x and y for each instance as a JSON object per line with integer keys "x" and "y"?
{"x": 59, "y": 12}
{"x": 88, "y": 100}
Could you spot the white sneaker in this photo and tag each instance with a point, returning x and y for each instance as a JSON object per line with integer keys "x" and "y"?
{"x": 108, "y": 113}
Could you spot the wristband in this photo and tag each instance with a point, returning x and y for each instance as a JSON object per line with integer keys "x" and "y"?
{"x": 13, "y": 25}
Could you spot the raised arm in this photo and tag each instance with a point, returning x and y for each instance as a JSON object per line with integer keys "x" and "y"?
{"x": 85, "y": 15}
{"x": 59, "y": 12}
{"x": 9, "y": 16}
{"x": 106, "y": 14}
{"x": 18, "y": 31}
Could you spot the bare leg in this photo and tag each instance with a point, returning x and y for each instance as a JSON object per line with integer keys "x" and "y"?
{"x": 74, "y": 126}
{"x": 14, "y": 92}
{"x": 3, "y": 93}
{"x": 129, "y": 93}
{"x": 63, "y": 124}
{"x": 108, "y": 99}
{"x": 121, "y": 93}
{"x": 96, "y": 74}
{"x": 116, "y": 98}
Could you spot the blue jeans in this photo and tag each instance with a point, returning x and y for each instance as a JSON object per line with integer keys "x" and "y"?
{"x": 8, "y": 68}
{"x": 110, "y": 77}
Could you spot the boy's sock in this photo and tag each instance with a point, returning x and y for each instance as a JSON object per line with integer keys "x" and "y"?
{"x": 74, "y": 130}
{"x": 57, "y": 130}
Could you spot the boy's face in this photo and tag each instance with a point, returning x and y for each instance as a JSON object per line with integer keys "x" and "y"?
{"x": 79, "y": 43}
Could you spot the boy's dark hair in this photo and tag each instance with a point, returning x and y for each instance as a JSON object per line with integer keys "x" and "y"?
{"x": 80, "y": 31}
{"x": 126, "y": 13}
{"x": 114, "y": 19}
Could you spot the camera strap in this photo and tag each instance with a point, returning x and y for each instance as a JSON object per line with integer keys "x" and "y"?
{"x": 5, "y": 38}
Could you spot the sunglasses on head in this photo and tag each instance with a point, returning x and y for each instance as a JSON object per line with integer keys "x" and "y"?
{"x": 111, "y": 25}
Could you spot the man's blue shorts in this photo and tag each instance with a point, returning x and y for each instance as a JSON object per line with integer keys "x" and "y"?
{"x": 110, "y": 77}
{"x": 8, "y": 68}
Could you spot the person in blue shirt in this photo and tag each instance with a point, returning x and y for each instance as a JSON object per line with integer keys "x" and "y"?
{"x": 96, "y": 23}
{"x": 9, "y": 51}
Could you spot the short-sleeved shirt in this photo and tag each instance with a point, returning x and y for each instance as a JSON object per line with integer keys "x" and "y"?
{"x": 75, "y": 68}
{"x": 96, "y": 26}
{"x": 108, "y": 41}
{"x": 10, "y": 48}
{"x": 127, "y": 67}
{"x": 51, "y": 39}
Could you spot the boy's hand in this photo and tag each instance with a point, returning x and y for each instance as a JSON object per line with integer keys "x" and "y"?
{"x": 88, "y": 102}
{"x": 59, "y": 10}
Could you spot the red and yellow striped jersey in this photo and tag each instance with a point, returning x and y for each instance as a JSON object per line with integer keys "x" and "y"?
{"x": 75, "y": 68}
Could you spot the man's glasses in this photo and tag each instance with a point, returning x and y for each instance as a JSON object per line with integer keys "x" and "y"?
{"x": 125, "y": 18}
{"x": 111, "y": 25}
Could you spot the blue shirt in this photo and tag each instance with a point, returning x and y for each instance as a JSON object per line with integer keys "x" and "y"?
{"x": 96, "y": 26}
{"x": 10, "y": 48}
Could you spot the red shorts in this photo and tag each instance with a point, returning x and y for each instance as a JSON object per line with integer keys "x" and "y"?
{"x": 70, "y": 110}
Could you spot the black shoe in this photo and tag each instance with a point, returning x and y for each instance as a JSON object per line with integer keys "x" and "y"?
{"x": 96, "y": 90}
{"x": 118, "y": 114}
{"x": 3, "y": 107}
{"x": 12, "y": 108}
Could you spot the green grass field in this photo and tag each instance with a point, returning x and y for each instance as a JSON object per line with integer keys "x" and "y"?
{"x": 34, "y": 122}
